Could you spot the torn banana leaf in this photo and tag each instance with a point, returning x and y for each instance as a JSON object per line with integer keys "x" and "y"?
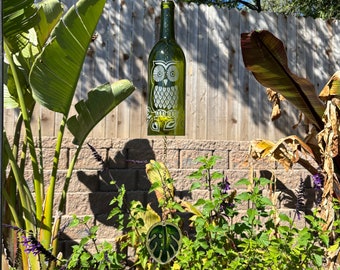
{"x": 332, "y": 88}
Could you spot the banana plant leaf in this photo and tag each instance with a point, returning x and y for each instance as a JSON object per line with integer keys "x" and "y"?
{"x": 100, "y": 102}
{"x": 149, "y": 217}
{"x": 264, "y": 55}
{"x": 50, "y": 12}
{"x": 18, "y": 17}
{"x": 56, "y": 70}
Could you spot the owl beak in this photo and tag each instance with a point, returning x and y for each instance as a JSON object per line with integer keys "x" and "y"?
{"x": 165, "y": 82}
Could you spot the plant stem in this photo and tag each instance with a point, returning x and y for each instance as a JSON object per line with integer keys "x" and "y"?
{"x": 21, "y": 183}
{"x": 38, "y": 183}
{"x": 46, "y": 230}
{"x": 62, "y": 203}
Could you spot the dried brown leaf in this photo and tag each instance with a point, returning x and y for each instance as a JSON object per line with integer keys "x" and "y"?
{"x": 287, "y": 151}
{"x": 332, "y": 88}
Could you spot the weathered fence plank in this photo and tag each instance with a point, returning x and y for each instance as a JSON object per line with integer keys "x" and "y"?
{"x": 224, "y": 101}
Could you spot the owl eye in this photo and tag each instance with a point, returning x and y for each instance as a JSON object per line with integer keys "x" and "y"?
{"x": 158, "y": 73}
{"x": 172, "y": 73}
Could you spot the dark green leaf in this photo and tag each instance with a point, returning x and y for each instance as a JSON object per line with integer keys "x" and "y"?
{"x": 163, "y": 241}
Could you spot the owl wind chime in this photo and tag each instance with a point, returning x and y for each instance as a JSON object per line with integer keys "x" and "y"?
{"x": 166, "y": 116}
{"x": 166, "y": 80}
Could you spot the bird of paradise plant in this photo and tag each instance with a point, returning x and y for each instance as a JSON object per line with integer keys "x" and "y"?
{"x": 264, "y": 55}
{"x": 44, "y": 52}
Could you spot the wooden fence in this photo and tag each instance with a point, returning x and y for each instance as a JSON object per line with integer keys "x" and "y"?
{"x": 224, "y": 102}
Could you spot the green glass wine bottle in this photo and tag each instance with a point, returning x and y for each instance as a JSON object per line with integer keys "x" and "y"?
{"x": 166, "y": 80}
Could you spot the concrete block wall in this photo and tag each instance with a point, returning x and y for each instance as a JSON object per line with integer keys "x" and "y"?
{"x": 90, "y": 191}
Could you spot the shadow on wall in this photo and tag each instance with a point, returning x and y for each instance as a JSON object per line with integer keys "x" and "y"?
{"x": 126, "y": 168}
{"x": 288, "y": 198}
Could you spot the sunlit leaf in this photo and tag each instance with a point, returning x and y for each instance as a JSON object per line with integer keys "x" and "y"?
{"x": 243, "y": 181}
{"x": 157, "y": 172}
{"x": 149, "y": 218}
{"x": 287, "y": 151}
{"x": 50, "y": 11}
{"x": 18, "y": 17}
{"x": 332, "y": 88}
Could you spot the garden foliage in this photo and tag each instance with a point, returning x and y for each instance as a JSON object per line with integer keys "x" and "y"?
{"x": 217, "y": 232}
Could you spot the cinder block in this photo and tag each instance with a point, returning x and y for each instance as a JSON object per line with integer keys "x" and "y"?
{"x": 288, "y": 179}
{"x": 84, "y": 181}
{"x": 78, "y": 204}
{"x": 99, "y": 143}
{"x": 143, "y": 183}
{"x": 239, "y": 160}
{"x": 170, "y": 158}
{"x": 223, "y": 162}
{"x": 77, "y": 232}
{"x": 86, "y": 159}
{"x": 187, "y": 158}
{"x": 117, "y": 158}
{"x": 137, "y": 196}
{"x": 48, "y": 156}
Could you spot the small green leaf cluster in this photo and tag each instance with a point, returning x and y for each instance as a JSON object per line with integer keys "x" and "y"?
{"x": 105, "y": 256}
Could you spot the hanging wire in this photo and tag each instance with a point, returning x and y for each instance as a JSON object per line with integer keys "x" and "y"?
{"x": 165, "y": 149}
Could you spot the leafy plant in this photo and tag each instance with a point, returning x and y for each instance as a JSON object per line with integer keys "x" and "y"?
{"x": 257, "y": 238}
{"x": 105, "y": 257}
{"x": 221, "y": 234}
{"x": 264, "y": 55}
{"x": 44, "y": 51}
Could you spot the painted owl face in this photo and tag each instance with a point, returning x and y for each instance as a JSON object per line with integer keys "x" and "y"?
{"x": 165, "y": 72}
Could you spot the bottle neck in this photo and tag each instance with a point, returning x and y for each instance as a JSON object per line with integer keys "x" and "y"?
{"x": 167, "y": 30}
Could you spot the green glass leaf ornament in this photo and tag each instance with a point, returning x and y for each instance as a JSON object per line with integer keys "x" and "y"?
{"x": 163, "y": 241}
